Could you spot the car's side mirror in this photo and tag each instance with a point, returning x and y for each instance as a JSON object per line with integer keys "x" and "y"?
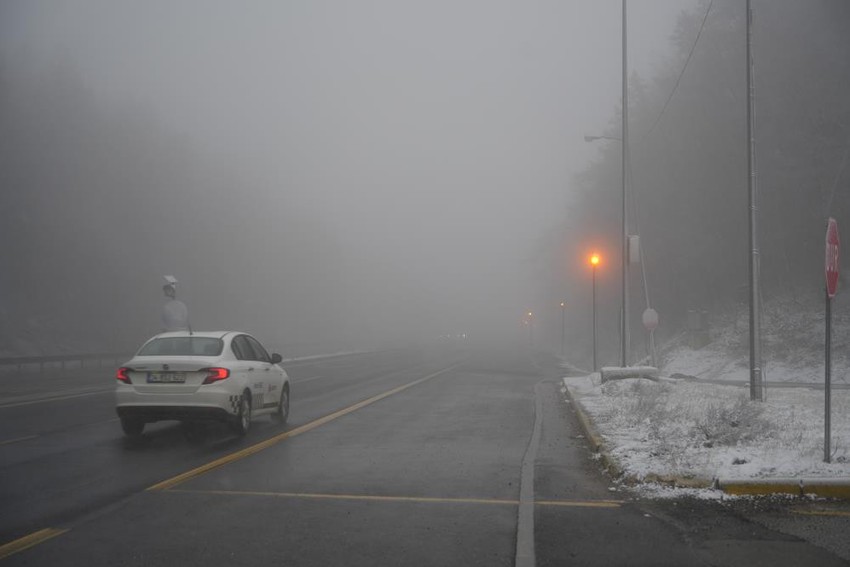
{"x": 276, "y": 358}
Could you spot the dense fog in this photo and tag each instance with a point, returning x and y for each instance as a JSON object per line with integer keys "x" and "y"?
{"x": 688, "y": 183}
{"x": 343, "y": 175}
{"x": 324, "y": 174}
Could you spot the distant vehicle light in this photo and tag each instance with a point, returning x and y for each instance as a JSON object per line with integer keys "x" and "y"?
{"x": 123, "y": 375}
{"x": 216, "y": 374}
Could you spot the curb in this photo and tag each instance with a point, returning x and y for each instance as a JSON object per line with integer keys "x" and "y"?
{"x": 597, "y": 445}
{"x": 802, "y": 487}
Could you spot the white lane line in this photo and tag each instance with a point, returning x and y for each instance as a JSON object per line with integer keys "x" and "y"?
{"x": 45, "y": 398}
{"x": 525, "y": 520}
{"x": 65, "y": 429}
{"x": 306, "y": 379}
{"x": 18, "y": 440}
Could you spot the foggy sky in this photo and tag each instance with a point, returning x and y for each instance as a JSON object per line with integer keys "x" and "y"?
{"x": 433, "y": 141}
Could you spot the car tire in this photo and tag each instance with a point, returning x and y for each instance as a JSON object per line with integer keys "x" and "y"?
{"x": 242, "y": 422}
{"x": 132, "y": 427}
{"x": 282, "y": 413}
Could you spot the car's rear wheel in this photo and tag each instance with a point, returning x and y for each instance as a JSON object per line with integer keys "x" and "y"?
{"x": 242, "y": 422}
{"x": 282, "y": 413}
{"x": 132, "y": 427}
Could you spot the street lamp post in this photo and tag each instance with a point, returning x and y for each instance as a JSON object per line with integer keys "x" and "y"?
{"x": 624, "y": 141}
{"x": 624, "y": 325}
{"x": 563, "y": 329}
{"x": 530, "y": 329}
{"x": 594, "y": 261}
{"x": 756, "y": 374}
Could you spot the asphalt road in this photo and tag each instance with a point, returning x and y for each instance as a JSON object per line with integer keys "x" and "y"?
{"x": 406, "y": 457}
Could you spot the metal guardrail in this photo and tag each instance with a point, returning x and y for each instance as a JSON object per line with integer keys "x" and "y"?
{"x": 63, "y": 360}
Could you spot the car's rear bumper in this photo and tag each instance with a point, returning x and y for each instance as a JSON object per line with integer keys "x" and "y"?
{"x": 211, "y": 403}
{"x": 180, "y": 413}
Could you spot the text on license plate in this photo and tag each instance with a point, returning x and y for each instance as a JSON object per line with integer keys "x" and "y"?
{"x": 167, "y": 377}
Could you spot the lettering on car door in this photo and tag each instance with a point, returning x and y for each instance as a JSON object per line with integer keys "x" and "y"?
{"x": 270, "y": 375}
{"x": 250, "y": 368}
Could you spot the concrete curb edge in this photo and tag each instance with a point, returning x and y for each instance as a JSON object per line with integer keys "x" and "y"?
{"x": 597, "y": 443}
{"x": 802, "y": 487}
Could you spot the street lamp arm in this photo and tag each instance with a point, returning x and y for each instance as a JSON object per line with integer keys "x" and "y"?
{"x": 594, "y": 138}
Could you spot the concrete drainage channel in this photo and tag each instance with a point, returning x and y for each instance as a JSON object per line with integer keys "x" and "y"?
{"x": 802, "y": 487}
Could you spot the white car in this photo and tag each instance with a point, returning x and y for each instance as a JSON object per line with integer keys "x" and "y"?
{"x": 197, "y": 377}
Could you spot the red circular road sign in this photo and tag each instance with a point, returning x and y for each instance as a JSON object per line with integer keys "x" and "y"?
{"x": 831, "y": 265}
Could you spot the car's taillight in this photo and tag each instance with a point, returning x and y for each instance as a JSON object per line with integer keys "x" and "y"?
{"x": 216, "y": 374}
{"x": 123, "y": 375}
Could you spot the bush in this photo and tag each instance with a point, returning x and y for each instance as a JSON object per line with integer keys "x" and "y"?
{"x": 729, "y": 425}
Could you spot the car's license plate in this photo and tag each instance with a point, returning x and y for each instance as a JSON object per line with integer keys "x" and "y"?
{"x": 166, "y": 377}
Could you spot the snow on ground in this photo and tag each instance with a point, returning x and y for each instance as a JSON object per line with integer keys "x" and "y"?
{"x": 687, "y": 425}
{"x": 792, "y": 344}
{"x": 692, "y": 429}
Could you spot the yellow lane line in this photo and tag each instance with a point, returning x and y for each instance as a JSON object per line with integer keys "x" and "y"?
{"x": 19, "y": 439}
{"x": 581, "y": 503}
{"x": 239, "y": 455}
{"x": 362, "y": 497}
{"x": 418, "y": 499}
{"x": 28, "y": 541}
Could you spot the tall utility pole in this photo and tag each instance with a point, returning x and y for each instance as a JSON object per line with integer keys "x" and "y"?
{"x": 756, "y": 378}
{"x": 624, "y": 319}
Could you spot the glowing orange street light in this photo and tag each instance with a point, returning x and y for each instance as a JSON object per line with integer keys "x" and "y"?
{"x": 594, "y": 262}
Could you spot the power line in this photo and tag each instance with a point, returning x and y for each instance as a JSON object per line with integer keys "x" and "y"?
{"x": 682, "y": 72}
{"x": 664, "y": 108}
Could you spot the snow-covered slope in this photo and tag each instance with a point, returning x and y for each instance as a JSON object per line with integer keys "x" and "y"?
{"x": 688, "y": 427}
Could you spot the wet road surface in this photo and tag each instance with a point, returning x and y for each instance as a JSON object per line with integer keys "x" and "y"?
{"x": 406, "y": 457}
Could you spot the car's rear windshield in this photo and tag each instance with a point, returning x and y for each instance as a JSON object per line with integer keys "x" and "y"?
{"x": 183, "y": 346}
